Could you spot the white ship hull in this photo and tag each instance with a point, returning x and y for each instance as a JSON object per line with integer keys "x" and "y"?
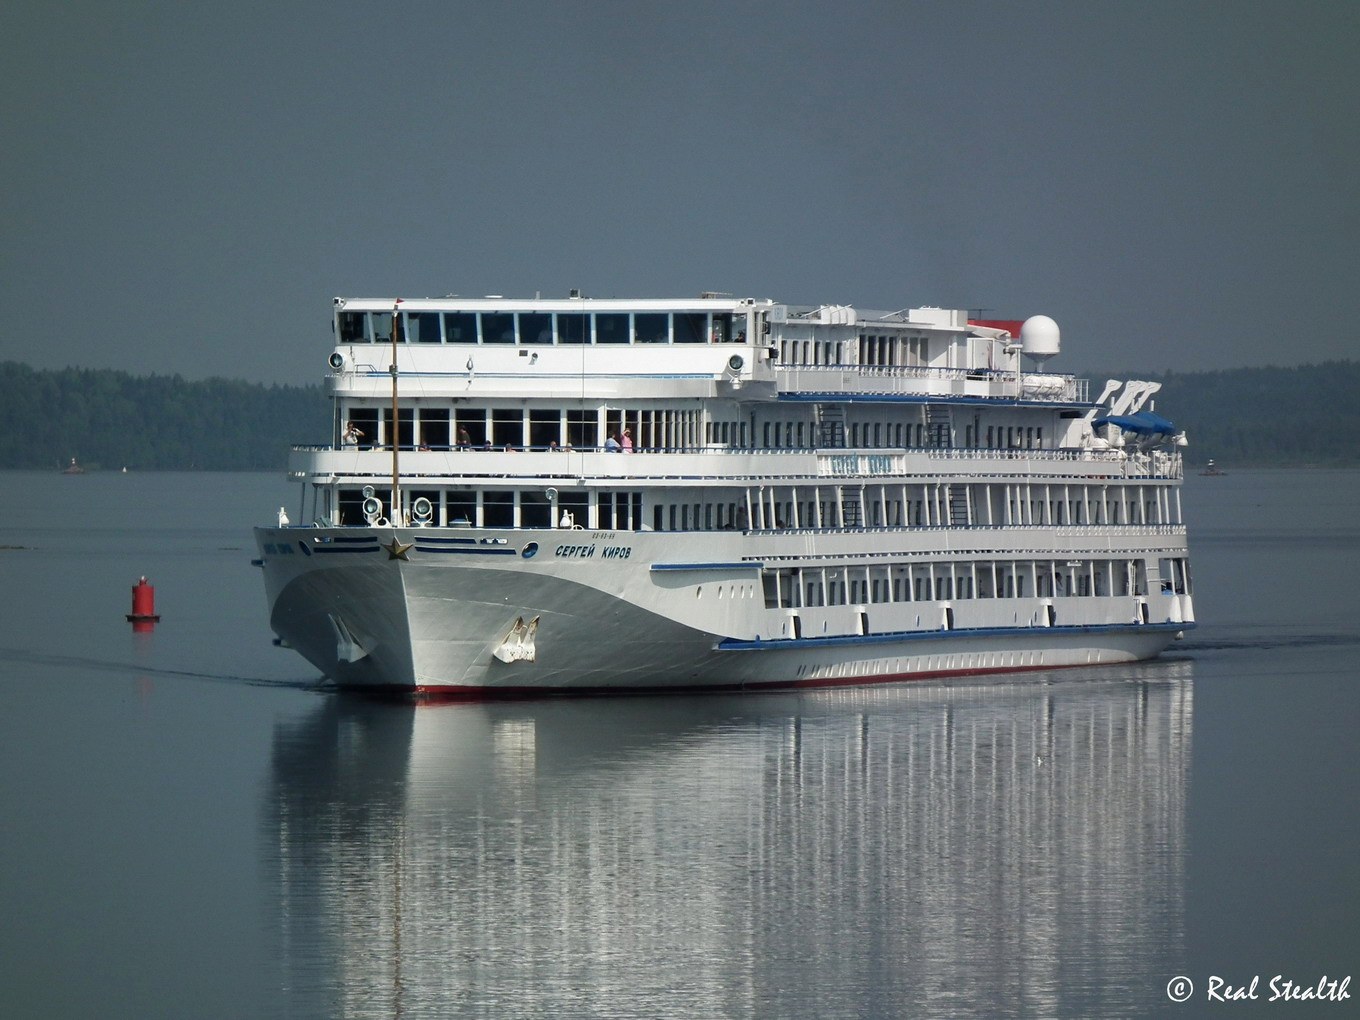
{"x": 581, "y": 495}
{"x": 491, "y": 623}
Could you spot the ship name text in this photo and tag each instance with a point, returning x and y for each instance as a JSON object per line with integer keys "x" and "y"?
{"x": 587, "y": 552}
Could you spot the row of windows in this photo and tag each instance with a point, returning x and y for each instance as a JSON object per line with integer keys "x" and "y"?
{"x": 875, "y": 350}
{"x": 517, "y": 428}
{"x": 825, "y": 506}
{"x": 804, "y": 587}
{"x": 443, "y": 428}
{"x": 917, "y": 505}
{"x": 540, "y": 327}
{"x": 506, "y": 508}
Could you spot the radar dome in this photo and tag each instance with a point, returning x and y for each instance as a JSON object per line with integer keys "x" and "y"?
{"x": 1040, "y": 338}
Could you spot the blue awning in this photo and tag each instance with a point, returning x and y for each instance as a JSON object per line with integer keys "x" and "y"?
{"x": 1145, "y": 423}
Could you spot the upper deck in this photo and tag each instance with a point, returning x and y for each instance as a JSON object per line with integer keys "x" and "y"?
{"x": 699, "y": 348}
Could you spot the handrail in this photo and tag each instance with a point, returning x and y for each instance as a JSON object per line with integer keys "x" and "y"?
{"x": 992, "y": 383}
{"x": 761, "y": 466}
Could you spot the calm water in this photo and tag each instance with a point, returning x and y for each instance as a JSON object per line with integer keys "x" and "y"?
{"x": 192, "y": 828}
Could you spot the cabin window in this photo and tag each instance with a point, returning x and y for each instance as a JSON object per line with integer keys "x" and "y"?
{"x": 471, "y": 426}
{"x": 535, "y": 328}
{"x": 406, "y": 424}
{"x": 507, "y": 427}
{"x": 611, "y": 328}
{"x": 651, "y": 327}
{"x": 434, "y": 428}
{"x": 690, "y": 327}
{"x": 573, "y": 507}
{"x": 351, "y": 507}
{"x": 423, "y": 327}
{"x": 498, "y": 509}
{"x": 545, "y": 429}
{"x": 460, "y": 327}
{"x": 460, "y": 505}
{"x": 354, "y": 327}
{"x": 498, "y": 327}
{"x": 534, "y": 509}
{"x": 581, "y": 428}
{"x": 365, "y": 419}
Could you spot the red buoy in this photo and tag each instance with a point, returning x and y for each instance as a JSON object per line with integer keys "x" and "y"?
{"x": 143, "y": 613}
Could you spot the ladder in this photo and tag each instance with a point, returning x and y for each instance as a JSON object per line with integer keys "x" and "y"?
{"x": 959, "y": 516}
{"x": 939, "y": 426}
{"x": 830, "y": 426}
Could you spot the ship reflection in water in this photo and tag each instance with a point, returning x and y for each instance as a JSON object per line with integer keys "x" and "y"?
{"x": 964, "y": 850}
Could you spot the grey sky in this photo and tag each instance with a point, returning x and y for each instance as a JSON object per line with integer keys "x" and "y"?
{"x": 184, "y": 187}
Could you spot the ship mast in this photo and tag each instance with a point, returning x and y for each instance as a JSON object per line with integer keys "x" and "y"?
{"x": 396, "y": 421}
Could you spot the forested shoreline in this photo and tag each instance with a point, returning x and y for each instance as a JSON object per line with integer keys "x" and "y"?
{"x": 108, "y": 420}
{"x": 1246, "y": 417}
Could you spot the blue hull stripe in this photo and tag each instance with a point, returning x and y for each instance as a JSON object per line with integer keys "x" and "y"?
{"x": 754, "y": 565}
{"x": 465, "y": 551}
{"x": 739, "y": 645}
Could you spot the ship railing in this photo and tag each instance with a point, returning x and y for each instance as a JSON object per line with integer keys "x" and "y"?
{"x": 1096, "y": 531}
{"x": 923, "y": 381}
{"x": 721, "y": 463}
{"x": 1154, "y": 464}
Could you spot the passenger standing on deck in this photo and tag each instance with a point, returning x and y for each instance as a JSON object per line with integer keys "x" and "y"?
{"x": 351, "y": 435}
{"x": 626, "y": 441}
{"x": 611, "y": 445}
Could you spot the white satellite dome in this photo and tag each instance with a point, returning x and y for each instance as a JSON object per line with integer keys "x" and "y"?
{"x": 1040, "y": 338}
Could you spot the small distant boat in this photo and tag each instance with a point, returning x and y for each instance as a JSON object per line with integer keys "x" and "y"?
{"x": 1212, "y": 470}
{"x": 73, "y": 468}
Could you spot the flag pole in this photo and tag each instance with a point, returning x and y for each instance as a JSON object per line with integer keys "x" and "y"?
{"x": 396, "y": 421}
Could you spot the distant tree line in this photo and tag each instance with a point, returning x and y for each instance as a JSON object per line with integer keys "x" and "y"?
{"x": 1258, "y": 417}
{"x": 109, "y": 420}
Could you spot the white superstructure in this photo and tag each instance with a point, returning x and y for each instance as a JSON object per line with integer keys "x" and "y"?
{"x": 594, "y": 494}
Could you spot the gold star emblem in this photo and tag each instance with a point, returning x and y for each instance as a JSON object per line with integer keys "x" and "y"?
{"x": 397, "y": 549}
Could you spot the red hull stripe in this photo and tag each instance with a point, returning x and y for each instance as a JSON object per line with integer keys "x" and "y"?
{"x": 440, "y": 693}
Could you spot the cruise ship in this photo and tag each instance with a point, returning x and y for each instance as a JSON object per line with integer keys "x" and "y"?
{"x": 580, "y": 495}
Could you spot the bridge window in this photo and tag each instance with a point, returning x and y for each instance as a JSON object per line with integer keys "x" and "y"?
{"x": 611, "y": 328}
{"x": 354, "y": 327}
{"x": 690, "y": 327}
{"x": 423, "y": 327}
{"x": 460, "y": 327}
{"x": 651, "y": 327}
{"x": 573, "y": 329}
{"x": 498, "y": 327}
{"x": 535, "y": 328}
{"x": 722, "y": 328}
{"x": 381, "y": 323}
